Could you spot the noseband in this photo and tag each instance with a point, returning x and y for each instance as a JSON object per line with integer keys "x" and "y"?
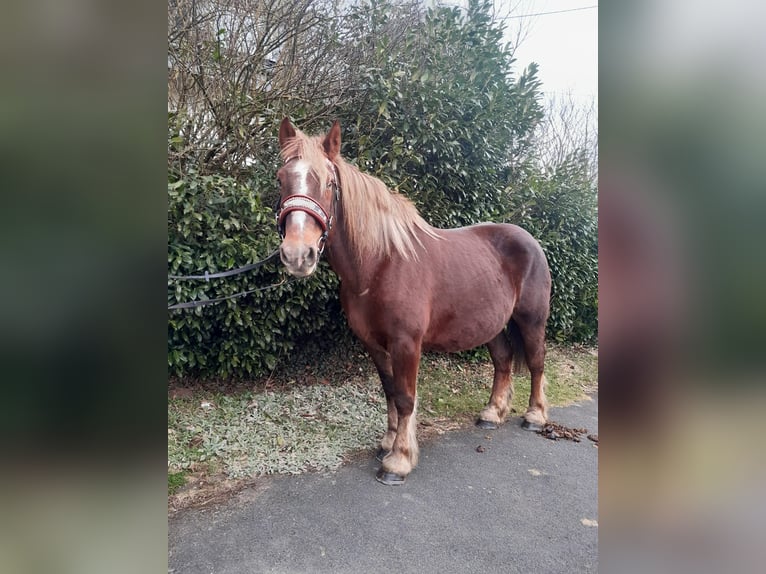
{"x": 301, "y": 202}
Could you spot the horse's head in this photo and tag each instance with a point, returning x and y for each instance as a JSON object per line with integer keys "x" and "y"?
{"x": 308, "y": 184}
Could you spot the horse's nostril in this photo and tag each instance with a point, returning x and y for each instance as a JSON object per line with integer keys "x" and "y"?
{"x": 290, "y": 255}
{"x": 311, "y": 256}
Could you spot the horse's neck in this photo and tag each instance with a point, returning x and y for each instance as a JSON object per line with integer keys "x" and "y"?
{"x": 354, "y": 275}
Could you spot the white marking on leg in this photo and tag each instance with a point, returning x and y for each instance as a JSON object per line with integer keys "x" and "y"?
{"x": 397, "y": 462}
{"x": 388, "y": 440}
{"x": 412, "y": 436}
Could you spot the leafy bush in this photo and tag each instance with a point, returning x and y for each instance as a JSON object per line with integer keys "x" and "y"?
{"x": 559, "y": 207}
{"x": 215, "y": 223}
{"x": 442, "y": 113}
{"x": 445, "y": 122}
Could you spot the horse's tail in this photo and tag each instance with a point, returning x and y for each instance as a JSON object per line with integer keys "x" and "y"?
{"x": 518, "y": 354}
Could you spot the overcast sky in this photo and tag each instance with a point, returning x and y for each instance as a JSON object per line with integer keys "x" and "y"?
{"x": 564, "y": 44}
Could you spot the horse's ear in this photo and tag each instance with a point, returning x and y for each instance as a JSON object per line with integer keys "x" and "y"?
{"x": 286, "y": 132}
{"x": 331, "y": 143}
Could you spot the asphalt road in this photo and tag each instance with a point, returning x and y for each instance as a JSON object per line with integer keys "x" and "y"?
{"x": 518, "y": 506}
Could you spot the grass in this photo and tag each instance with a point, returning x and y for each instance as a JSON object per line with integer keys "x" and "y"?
{"x": 310, "y": 417}
{"x": 175, "y": 481}
{"x": 455, "y": 388}
{"x": 289, "y": 431}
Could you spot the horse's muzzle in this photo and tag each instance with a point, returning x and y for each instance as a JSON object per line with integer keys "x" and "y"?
{"x": 300, "y": 260}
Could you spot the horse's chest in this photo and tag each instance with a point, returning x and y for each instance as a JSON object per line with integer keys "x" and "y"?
{"x": 361, "y": 312}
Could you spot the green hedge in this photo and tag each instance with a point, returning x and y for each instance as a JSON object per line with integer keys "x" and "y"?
{"x": 215, "y": 224}
{"x": 558, "y": 206}
{"x": 443, "y": 113}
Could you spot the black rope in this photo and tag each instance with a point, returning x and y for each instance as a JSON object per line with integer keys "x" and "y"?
{"x": 208, "y": 276}
{"x": 192, "y": 304}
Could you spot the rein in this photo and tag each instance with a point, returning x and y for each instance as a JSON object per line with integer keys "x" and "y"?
{"x": 208, "y": 276}
{"x": 191, "y": 304}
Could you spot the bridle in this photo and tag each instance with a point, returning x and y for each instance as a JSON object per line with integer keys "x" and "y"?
{"x": 301, "y": 202}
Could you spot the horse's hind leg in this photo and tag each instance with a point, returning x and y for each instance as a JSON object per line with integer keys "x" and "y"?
{"x": 533, "y": 334}
{"x": 502, "y": 386}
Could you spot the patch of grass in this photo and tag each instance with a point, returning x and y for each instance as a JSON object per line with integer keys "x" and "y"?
{"x": 573, "y": 368}
{"x": 451, "y": 387}
{"x": 175, "y": 481}
{"x": 458, "y": 387}
{"x": 296, "y": 429}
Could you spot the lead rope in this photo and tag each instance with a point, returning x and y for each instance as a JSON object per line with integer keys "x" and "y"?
{"x": 192, "y": 304}
{"x": 208, "y": 276}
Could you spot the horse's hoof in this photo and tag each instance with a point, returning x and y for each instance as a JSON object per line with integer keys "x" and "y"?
{"x": 536, "y": 427}
{"x": 389, "y": 478}
{"x": 381, "y": 454}
{"x": 488, "y": 425}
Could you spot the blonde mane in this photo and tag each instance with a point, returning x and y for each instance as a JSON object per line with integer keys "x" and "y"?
{"x": 378, "y": 222}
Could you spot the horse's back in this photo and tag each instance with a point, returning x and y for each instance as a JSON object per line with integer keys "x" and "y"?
{"x": 507, "y": 244}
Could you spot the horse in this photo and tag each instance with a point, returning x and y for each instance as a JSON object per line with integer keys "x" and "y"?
{"x": 407, "y": 287}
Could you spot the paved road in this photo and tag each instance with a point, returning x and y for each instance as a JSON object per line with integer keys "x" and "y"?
{"x": 516, "y": 507}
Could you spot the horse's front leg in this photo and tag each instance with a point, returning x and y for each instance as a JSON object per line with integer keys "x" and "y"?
{"x": 382, "y": 360}
{"x": 387, "y": 442}
{"x": 405, "y": 358}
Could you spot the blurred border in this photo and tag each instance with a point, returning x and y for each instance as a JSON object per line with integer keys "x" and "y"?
{"x": 681, "y": 280}
{"x": 83, "y": 224}
{"x": 83, "y": 227}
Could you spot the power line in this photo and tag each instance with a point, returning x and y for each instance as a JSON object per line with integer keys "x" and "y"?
{"x": 546, "y": 13}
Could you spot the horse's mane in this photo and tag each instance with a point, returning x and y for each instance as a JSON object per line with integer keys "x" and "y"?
{"x": 379, "y": 222}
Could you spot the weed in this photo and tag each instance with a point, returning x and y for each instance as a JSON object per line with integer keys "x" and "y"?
{"x": 175, "y": 481}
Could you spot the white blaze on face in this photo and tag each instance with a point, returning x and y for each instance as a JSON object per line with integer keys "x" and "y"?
{"x": 301, "y": 172}
{"x": 299, "y": 219}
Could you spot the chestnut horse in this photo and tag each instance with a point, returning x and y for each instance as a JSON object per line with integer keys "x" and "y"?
{"x": 407, "y": 287}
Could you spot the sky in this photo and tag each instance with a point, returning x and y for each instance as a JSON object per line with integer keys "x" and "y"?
{"x": 565, "y": 44}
